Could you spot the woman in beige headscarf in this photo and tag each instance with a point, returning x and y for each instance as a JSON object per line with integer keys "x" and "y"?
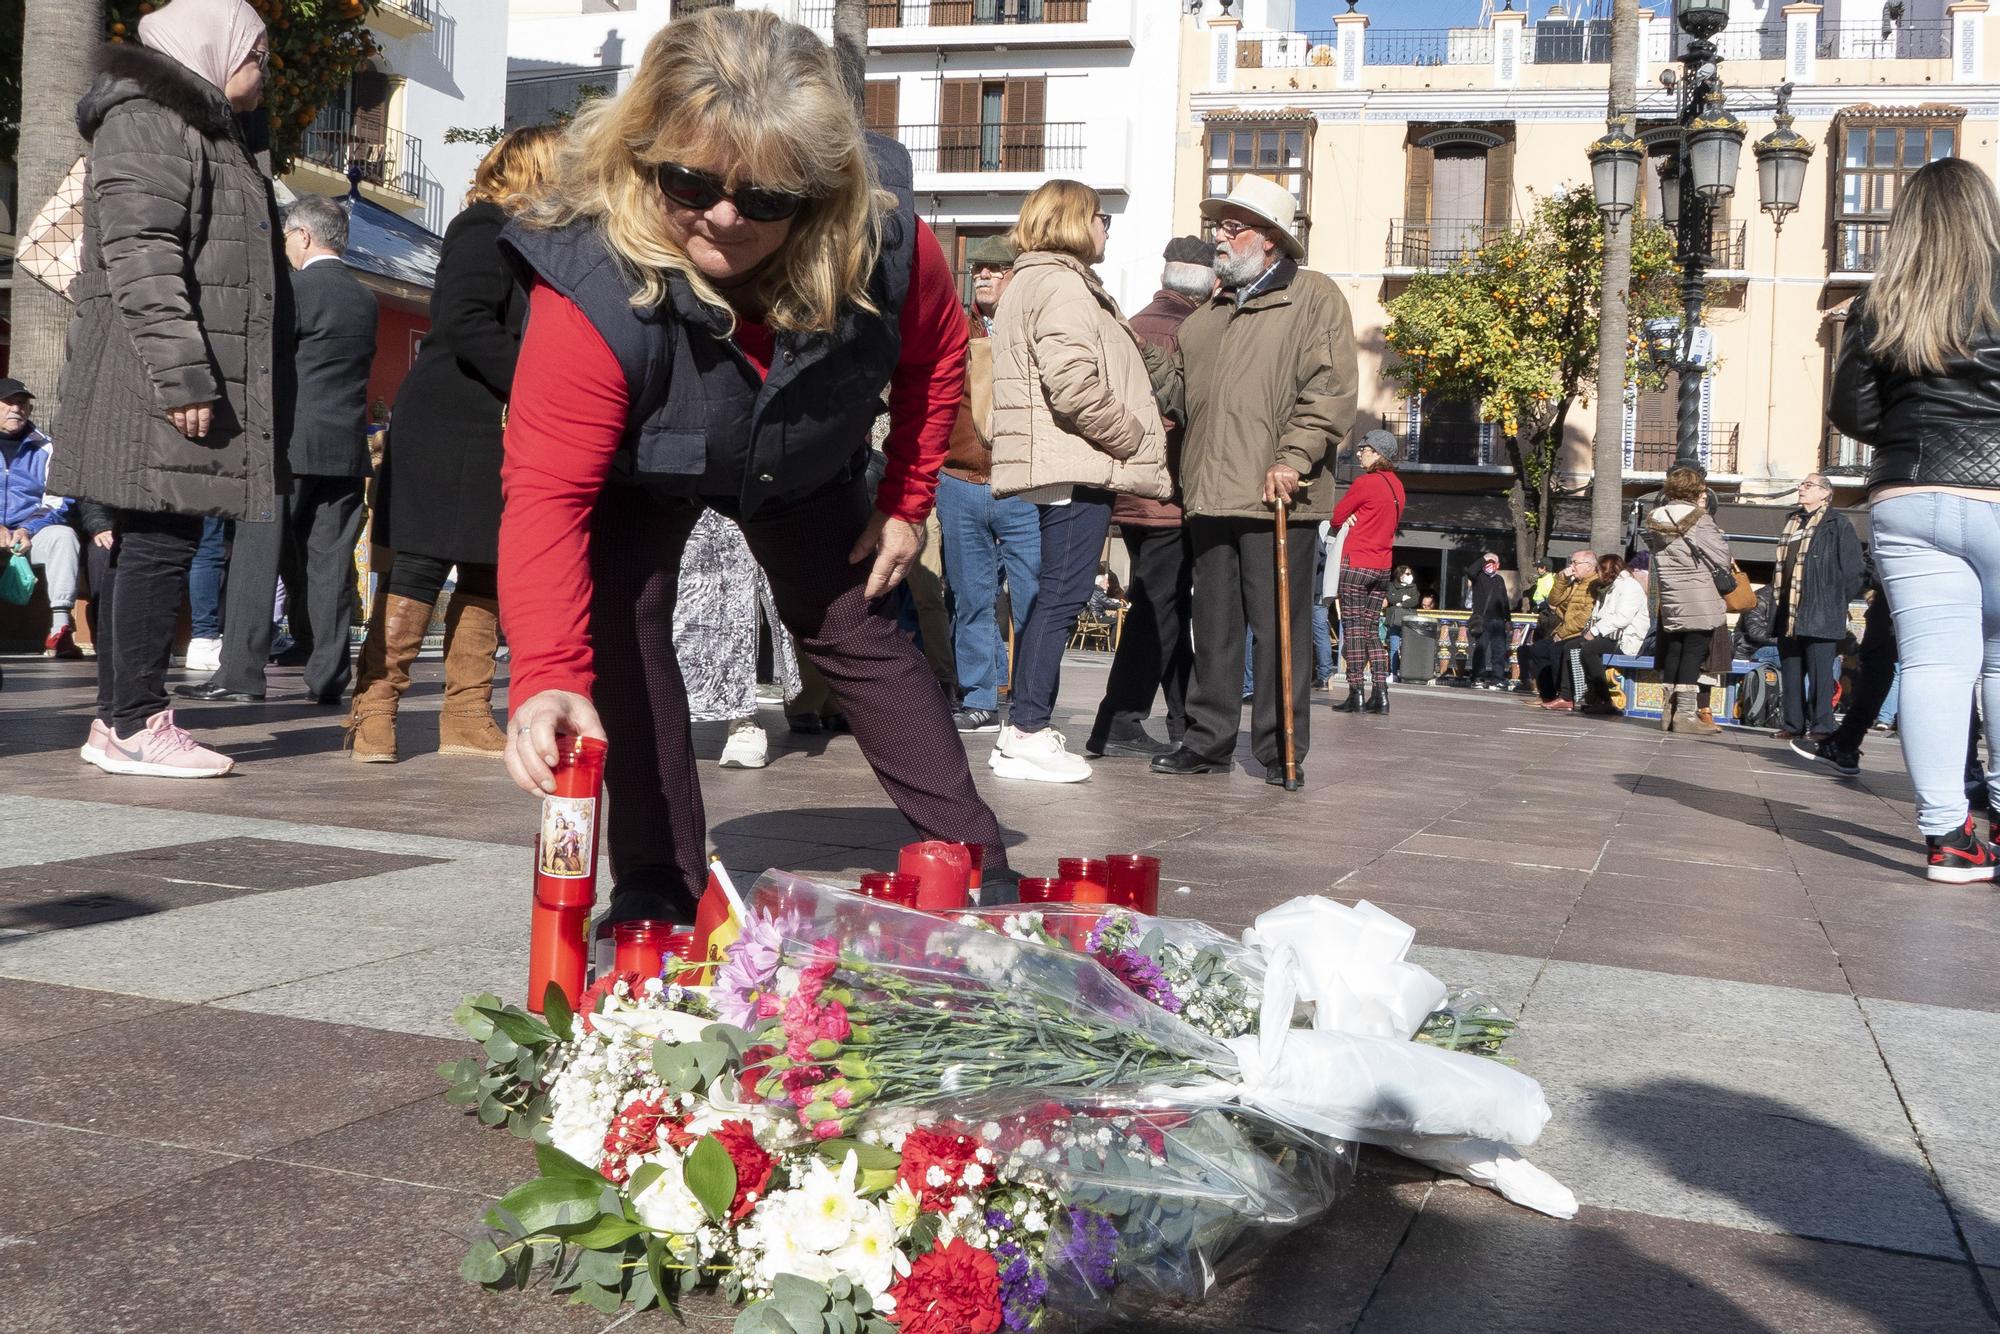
{"x": 170, "y": 410}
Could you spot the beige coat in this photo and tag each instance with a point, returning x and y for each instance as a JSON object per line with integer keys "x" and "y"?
{"x": 1072, "y": 403}
{"x": 1272, "y": 381}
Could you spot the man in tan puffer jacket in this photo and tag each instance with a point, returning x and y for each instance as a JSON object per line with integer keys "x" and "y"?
{"x": 1266, "y": 383}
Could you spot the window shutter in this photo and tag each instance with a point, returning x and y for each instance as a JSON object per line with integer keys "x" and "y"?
{"x": 1500, "y": 184}
{"x": 1025, "y": 113}
{"x": 958, "y": 125}
{"x": 948, "y": 13}
{"x": 879, "y": 103}
{"x": 1417, "y": 185}
{"x": 885, "y": 13}
{"x": 371, "y": 107}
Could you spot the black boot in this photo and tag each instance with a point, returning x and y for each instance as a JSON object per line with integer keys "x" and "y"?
{"x": 1185, "y": 761}
{"x": 1352, "y": 704}
{"x": 1378, "y": 701}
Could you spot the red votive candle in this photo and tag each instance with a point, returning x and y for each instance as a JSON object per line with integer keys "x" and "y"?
{"x": 642, "y": 945}
{"x": 681, "y": 944}
{"x": 1089, "y": 879}
{"x": 1043, "y": 889}
{"x": 975, "y": 856}
{"x": 1135, "y": 882}
{"x": 566, "y": 870}
{"x": 891, "y": 887}
{"x": 943, "y": 871}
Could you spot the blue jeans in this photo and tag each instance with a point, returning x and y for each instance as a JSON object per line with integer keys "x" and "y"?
{"x": 1938, "y": 557}
{"x": 1072, "y": 545}
{"x": 1887, "y": 714}
{"x": 981, "y": 537}
{"x": 1395, "y": 652}
{"x": 1322, "y": 642}
{"x": 1766, "y": 654}
{"x": 205, "y": 579}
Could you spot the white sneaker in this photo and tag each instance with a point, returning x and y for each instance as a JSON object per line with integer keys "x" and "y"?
{"x": 93, "y": 751}
{"x": 747, "y": 747}
{"x": 204, "y": 655}
{"x": 162, "y": 750}
{"x": 1037, "y": 757}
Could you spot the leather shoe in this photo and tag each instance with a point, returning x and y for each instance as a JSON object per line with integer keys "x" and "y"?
{"x": 1141, "y": 747}
{"x": 1274, "y": 774}
{"x": 1352, "y": 704}
{"x": 1185, "y": 761}
{"x": 214, "y": 692}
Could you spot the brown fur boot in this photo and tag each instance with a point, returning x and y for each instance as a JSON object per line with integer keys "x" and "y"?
{"x": 395, "y": 636}
{"x": 471, "y": 638}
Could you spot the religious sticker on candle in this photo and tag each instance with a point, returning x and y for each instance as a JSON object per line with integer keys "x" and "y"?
{"x": 567, "y": 843}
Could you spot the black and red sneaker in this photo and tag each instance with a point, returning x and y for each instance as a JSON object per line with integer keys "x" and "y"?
{"x": 1960, "y": 858}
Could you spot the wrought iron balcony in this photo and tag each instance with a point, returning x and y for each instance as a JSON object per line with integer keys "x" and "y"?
{"x": 952, "y": 13}
{"x": 1857, "y": 246}
{"x": 394, "y": 162}
{"x": 1439, "y": 243}
{"x": 1728, "y": 246}
{"x": 403, "y": 18}
{"x": 1843, "y": 455}
{"x": 1922, "y": 39}
{"x": 1025, "y": 146}
{"x": 1654, "y": 446}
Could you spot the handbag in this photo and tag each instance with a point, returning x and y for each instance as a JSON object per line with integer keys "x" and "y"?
{"x": 1732, "y": 583}
{"x": 17, "y": 580}
{"x": 50, "y": 249}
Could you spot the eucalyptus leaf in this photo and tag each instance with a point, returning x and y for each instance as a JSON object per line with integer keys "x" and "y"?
{"x": 729, "y": 1035}
{"x": 711, "y": 1178}
{"x": 642, "y": 1292}
{"x": 502, "y": 1048}
{"x": 596, "y": 1295}
{"x": 492, "y": 1112}
{"x": 709, "y": 1058}
{"x": 603, "y": 1268}
{"x": 483, "y": 1263}
{"x": 796, "y": 1288}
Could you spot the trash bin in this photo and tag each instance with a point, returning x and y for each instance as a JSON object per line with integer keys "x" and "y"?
{"x": 1420, "y": 649}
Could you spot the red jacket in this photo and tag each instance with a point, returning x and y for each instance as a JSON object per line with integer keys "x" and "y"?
{"x": 568, "y": 414}
{"x": 1375, "y": 501}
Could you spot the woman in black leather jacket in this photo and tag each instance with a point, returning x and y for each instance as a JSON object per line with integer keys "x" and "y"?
{"x": 1919, "y": 379}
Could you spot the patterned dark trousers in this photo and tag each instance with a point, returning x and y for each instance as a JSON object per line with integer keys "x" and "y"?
{"x": 1362, "y": 593}
{"x": 898, "y": 712}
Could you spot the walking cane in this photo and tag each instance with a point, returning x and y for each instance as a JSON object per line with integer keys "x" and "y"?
{"x": 1285, "y": 649}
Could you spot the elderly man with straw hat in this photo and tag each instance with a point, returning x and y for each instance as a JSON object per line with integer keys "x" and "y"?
{"x": 1265, "y": 382}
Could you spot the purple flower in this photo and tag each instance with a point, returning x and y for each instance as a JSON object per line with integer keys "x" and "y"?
{"x": 1143, "y": 975}
{"x": 1091, "y": 1250}
{"x": 751, "y": 963}
{"x": 998, "y": 1220}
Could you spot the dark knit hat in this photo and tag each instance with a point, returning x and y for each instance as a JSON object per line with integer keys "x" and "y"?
{"x": 1191, "y": 250}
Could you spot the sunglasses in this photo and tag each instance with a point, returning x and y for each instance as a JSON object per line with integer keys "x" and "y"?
{"x": 701, "y": 190}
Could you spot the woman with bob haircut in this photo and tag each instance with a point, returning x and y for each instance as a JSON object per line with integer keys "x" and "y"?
{"x": 437, "y": 500}
{"x": 1074, "y": 423}
{"x": 724, "y": 280}
{"x": 1919, "y": 379}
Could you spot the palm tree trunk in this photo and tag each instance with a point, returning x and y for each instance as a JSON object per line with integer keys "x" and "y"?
{"x": 850, "y": 43}
{"x": 58, "y": 39}
{"x": 1607, "y": 486}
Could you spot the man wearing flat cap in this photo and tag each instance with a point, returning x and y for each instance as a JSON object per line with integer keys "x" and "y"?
{"x": 983, "y": 538}
{"x": 1155, "y": 647}
{"x": 1265, "y": 383}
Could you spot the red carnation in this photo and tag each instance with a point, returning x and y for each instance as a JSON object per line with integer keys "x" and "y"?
{"x": 753, "y": 1166}
{"x": 953, "y": 1290}
{"x": 755, "y": 1068}
{"x": 586, "y": 1004}
{"x": 637, "y": 1129}
{"x": 925, "y": 1149}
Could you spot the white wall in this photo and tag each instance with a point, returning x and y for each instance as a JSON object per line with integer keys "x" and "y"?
{"x": 536, "y": 37}
{"x": 455, "y": 75}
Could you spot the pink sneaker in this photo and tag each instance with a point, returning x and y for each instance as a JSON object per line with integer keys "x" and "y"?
{"x": 163, "y": 750}
{"x": 93, "y": 751}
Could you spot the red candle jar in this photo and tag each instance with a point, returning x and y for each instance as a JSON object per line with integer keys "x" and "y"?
{"x": 975, "y": 856}
{"x": 681, "y": 944}
{"x": 1089, "y": 878}
{"x": 944, "y": 871}
{"x": 891, "y": 887}
{"x": 566, "y": 870}
{"x": 1135, "y": 882}
{"x": 1043, "y": 889}
{"x": 643, "y": 945}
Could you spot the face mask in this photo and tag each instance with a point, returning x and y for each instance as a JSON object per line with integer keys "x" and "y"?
{"x": 1408, "y": 579}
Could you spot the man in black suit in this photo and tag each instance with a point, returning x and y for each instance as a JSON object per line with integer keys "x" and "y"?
{"x": 313, "y": 540}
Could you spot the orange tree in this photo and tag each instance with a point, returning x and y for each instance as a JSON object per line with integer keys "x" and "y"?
{"x": 316, "y": 47}
{"x": 1513, "y": 329}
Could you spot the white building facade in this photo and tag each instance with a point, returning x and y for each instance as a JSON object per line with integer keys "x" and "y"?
{"x": 443, "y": 66}
{"x": 991, "y": 97}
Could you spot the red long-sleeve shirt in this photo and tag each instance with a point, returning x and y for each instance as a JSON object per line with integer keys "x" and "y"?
{"x": 567, "y": 415}
{"x": 1375, "y": 499}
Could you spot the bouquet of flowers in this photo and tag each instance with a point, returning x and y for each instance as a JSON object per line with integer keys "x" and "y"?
{"x": 882, "y": 1119}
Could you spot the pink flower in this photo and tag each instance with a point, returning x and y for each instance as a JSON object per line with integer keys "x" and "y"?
{"x": 833, "y": 1023}
{"x": 768, "y": 1006}
{"x": 843, "y": 1098}
{"x": 827, "y": 1130}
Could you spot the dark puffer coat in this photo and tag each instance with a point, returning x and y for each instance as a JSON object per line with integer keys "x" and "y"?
{"x": 182, "y": 291}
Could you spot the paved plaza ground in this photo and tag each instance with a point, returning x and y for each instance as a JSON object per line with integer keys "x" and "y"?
{"x": 1764, "y": 1036}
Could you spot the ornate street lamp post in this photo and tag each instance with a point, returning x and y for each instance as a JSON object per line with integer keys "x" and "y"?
{"x": 1698, "y": 177}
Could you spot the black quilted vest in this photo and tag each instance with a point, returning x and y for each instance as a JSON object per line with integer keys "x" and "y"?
{"x": 701, "y": 422}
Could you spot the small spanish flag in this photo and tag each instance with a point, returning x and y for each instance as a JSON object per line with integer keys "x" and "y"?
{"x": 718, "y": 918}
